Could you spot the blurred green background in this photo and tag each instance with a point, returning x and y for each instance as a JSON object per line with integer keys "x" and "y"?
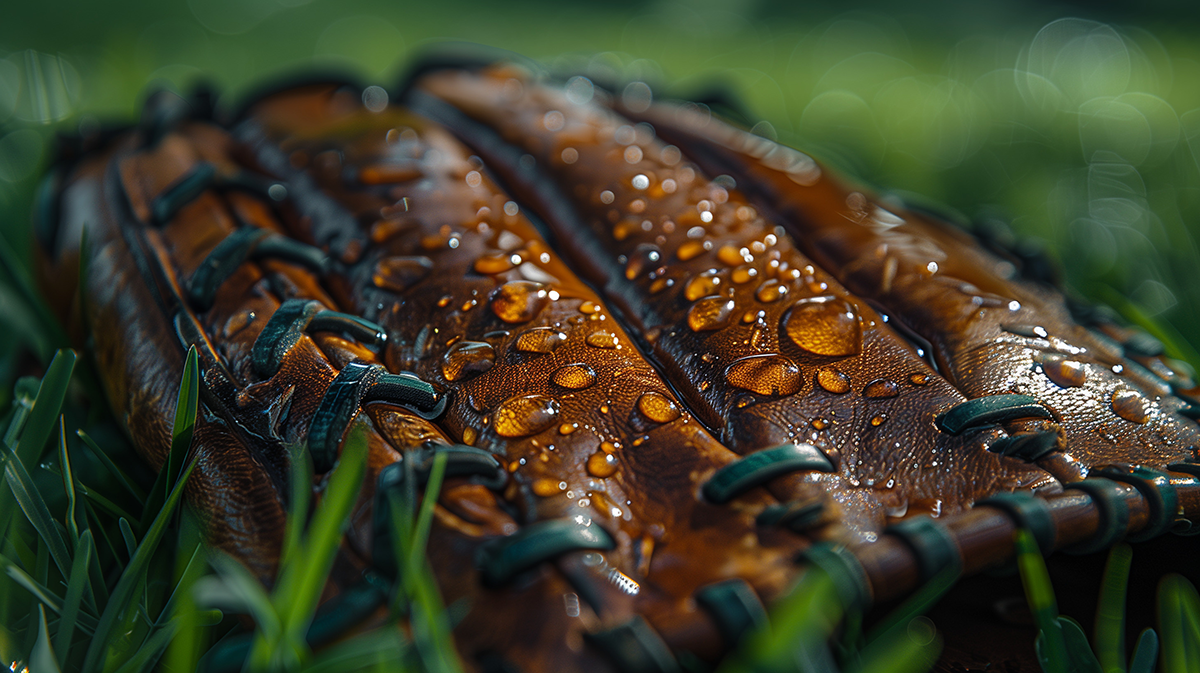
{"x": 1083, "y": 132}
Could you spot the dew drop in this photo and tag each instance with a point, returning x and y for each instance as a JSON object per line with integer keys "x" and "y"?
{"x": 400, "y": 273}
{"x": 567, "y": 428}
{"x": 589, "y": 307}
{"x": 525, "y": 415}
{"x": 644, "y": 258}
{"x": 730, "y": 256}
{"x": 918, "y": 379}
{"x": 833, "y": 380}
{"x": 640, "y": 181}
{"x": 771, "y": 290}
{"x": 519, "y": 300}
{"x": 1064, "y": 372}
{"x": 544, "y": 488}
{"x": 601, "y": 339}
{"x": 819, "y": 423}
{"x": 540, "y": 340}
{"x": 1130, "y": 405}
{"x": 702, "y": 285}
{"x": 710, "y": 313}
{"x": 881, "y": 388}
{"x": 657, "y": 407}
{"x": 1031, "y": 331}
{"x": 690, "y": 250}
{"x": 238, "y": 322}
{"x": 877, "y": 421}
{"x": 602, "y": 465}
{"x": 494, "y": 263}
{"x": 744, "y": 274}
{"x": 469, "y": 435}
{"x": 824, "y": 326}
{"x": 773, "y": 375}
{"x": 467, "y": 359}
{"x": 574, "y": 376}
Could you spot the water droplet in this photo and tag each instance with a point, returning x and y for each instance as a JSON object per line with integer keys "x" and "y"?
{"x": 690, "y": 250}
{"x": 1031, "y": 331}
{"x": 466, "y": 359}
{"x": 881, "y": 388}
{"x": 574, "y": 376}
{"x": 589, "y": 307}
{"x": 519, "y": 300}
{"x": 644, "y": 258}
{"x": 400, "y": 273}
{"x": 730, "y": 256}
{"x": 445, "y": 301}
{"x": 525, "y": 415}
{"x": 540, "y": 340}
{"x": 238, "y": 322}
{"x": 824, "y": 326}
{"x": 602, "y": 339}
{"x": 640, "y": 181}
{"x": 469, "y": 435}
{"x": 744, "y": 274}
{"x": 710, "y": 313}
{"x": 918, "y": 379}
{"x": 545, "y": 488}
{"x": 833, "y": 380}
{"x": 773, "y": 375}
{"x": 494, "y": 263}
{"x": 657, "y": 407}
{"x": 1130, "y": 405}
{"x": 567, "y": 428}
{"x": 819, "y": 423}
{"x": 703, "y": 285}
{"x": 771, "y": 290}
{"x": 602, "y": 465}
{"x": 877, "y": 421}
{"x": 1064, "y": 372}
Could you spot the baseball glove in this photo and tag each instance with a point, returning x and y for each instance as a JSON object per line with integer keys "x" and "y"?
{"x": 671, "y": 364}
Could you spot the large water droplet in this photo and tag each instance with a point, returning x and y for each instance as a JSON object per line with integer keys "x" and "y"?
{"x": 643, "y": 259}
{"x": 771, "y": 290}
{"x": 466, "y": 359}
{"x": 540, "y": 340}
{"x": 601, "y": 339}
{"x": 918, "y": 379}
{"x": 702, "y": 285}
{"x": 574, "y": 376}
{"x": 1130, "y": 405}
{"x": 602, "y": 465}
{"x": 525, "y": 415}
{"x": 1064, "y": 372}
{"x": 881, "y": 388}
{"x": 710, "y": 313}
{"x": 544, "y": 488}
{"x": 657, "y": 407}
{"x": 519, "y": 300}
{"x": 833, "y": 380}
{"x": 690, "y": 250}
{"x": 400, "y": 273}
{"x": 498, "y": 262}
{"x": 824, "y": 326}
{"x": 773, "y": 375}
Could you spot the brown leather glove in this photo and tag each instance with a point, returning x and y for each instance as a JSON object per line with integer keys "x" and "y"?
{"x": 661, "y": 371}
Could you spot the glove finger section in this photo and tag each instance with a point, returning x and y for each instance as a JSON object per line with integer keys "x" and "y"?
{"x": 603, "y": 465}
{"x": 992, "y": 332}
{"x": 767, "y": 347}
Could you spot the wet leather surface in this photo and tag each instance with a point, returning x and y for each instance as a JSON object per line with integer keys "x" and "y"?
{"x": 603, "y": 317}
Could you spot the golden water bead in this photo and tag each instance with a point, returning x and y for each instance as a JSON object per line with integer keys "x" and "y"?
{"x": 833, "y": 380}
{"x": 467, "y": 359}
{"x": 1064, "y": 372}
{"x": 1130, "y": 405}
{"x": 601, "y": 339}
{"x": 574, "y": 376}
{"x": 881, "y": 389}
{"x": 710, "y": 313}
{"x": 657, "y": 407}
{"x": 824, "y": 326}
{"x": 540, "y": 340}
{"x": 397, "y": 274}
{"x": 494, "y": 263}
{"x": 602, "y": 465}
{"x": 702, "y": 285}
{"x": 525, "y": 415}
{"x": 773, "y": 375}
{"x": 519, "y": 301}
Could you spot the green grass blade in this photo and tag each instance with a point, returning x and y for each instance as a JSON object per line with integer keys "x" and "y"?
{"x": 911, "y": 649}
{"x": 297, "y": 518}
{"x": 104, "y": 503}
{"x": 119, "y": 605}
{"x": 47, "y": 408}
{"x": 918, "y": 604}
{"x": 24, "y": 396}
{"x": 385, "y": 647}
{"x": 151, "y": 650}
{"x": 185, "y": 648}
{"x": 1145, "y": 653}
{"x": 42, "y": 658}
{"x": 73, "y": 600}
{"x": 86, "y": 622}
{"x": 30, "y": 501}
{"x": 425, "y": 517}
{"x": 68, "y": 479}
{"x": 128, "y": 536}
{"x": 1079, "y": 652}
{"x": 301, "y": 583}
{"x": 1179, "y": 637}
{"x": 1040, "y": 595}
{"x": 1110, "y": 610}
{"x": 116, "y": 472}
{"x": 181, "y": 437}
{"x": 800, "y": 621}
{"x": 51, "y": 331}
